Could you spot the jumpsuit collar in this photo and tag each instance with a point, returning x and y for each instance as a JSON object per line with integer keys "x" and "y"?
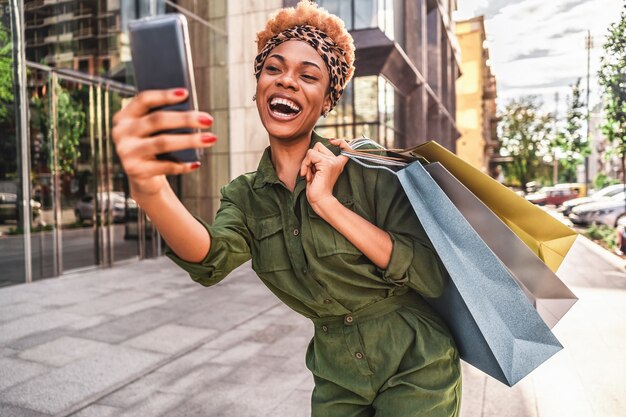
{"x": 266, "y": 174}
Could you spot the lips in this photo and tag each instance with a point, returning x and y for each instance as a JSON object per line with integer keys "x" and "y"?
{"x": 283, "y": 107}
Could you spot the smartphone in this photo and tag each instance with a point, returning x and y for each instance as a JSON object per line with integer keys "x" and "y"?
{"x": 161, "y": 57}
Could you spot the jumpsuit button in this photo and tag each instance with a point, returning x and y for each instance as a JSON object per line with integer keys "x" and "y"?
{"x": 359, "y": 355}
{"x": 304, "y": 270}
{"x": 328, "y": 301}
{"x": 296, "y": 232}
{"x": 349, "y": 319}
{"x": 325, "y": 328}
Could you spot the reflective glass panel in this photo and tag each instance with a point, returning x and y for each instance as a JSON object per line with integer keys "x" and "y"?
{"x": 366, "y": 98}
{"x": 366, "y": 14}
{"x": 123, "y": 208}
{"x": 11, "y": 224}
{"x": 41, "y": 185}
{"x": 341, "y": 8}
{"x": 82, "y": 207}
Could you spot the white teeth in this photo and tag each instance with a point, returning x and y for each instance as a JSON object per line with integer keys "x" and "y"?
{"x": 286, "y": 102}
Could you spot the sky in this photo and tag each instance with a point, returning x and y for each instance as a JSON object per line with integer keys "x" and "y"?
{"x": 537, "y": 47}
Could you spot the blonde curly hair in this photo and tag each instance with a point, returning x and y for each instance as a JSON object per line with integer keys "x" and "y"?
{"x": 308, "y": 13}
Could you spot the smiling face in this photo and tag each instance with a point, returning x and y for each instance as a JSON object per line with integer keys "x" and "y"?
{"x": 292, "y": 91}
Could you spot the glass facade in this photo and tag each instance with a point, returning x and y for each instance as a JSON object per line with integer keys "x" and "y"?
{"x": 64, "y": 198}
{"x": 370, "y": 106}
{"x": 387, "y": 15}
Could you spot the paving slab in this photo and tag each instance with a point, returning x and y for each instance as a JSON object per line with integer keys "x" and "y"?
{"x": 63, "y": 387}
{"x": 14, "y": 371}
{"x": 62, "y": 351}
{"x": 169, "y": 338}
{"x": 144, "y": 340}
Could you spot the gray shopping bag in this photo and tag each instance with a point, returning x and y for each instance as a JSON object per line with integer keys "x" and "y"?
{"x": 494, "y": 324}
{"x": 548, "y": 294}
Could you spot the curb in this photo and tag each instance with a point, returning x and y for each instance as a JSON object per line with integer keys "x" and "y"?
{"x": 614, "y": 260}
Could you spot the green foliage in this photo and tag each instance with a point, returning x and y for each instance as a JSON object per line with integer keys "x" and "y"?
{"x": 6, "y": 75}
{"x": 71, "y": 126}
{"x": 525, "y": 135}
{"x": 604, "y": 234}
{"x": 570, "y": 140}
{"x": 71, "y": 120}
{"x": 612, "y": 80}
{"x": 602, "y": 180}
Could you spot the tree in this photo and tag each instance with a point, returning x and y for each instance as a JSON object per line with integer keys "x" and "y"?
{"x": 525, "y": 134}
{"x": 6, "y": 75}
{"x": 570, "y": 141}
{"x": 612, "y": 80}
{"x": 71, "y": 126}
{"x": 8, "y": 145}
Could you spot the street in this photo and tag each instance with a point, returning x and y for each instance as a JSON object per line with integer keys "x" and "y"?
{"x": 144, "y": 340}
{"x": 78, "y": 252}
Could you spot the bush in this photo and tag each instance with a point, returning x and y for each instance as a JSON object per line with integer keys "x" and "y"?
{"x": 603, "y": 234}
{"x": 602, "y": 180}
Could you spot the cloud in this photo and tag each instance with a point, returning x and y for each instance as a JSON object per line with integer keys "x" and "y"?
{"x": 538, "y": 46}
{"x": 568, "y": 5}
{"x": 569, "y": 31}
{"x": 535, "y": 53}
{"x": 558, "y": 82}
{"x": 492, "y": 8}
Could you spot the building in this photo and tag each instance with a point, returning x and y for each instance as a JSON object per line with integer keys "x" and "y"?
{"x": 72, "y": 69}
{"x": 476, "y": 97}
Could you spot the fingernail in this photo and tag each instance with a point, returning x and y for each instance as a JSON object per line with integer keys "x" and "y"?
{"x": 180, "y": 92}
{"x": 205, "y": 120}
{"x": 195, "y": 165}
{"x": 208, "y": 138}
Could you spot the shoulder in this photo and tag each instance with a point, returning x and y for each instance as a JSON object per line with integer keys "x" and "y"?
{"x": 239, "y": 187}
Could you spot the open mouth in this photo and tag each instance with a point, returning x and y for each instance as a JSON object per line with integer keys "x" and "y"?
{"x": 284, "y": 108}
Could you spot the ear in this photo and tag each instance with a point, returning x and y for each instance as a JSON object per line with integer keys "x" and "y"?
{"x": 326, "y": 104}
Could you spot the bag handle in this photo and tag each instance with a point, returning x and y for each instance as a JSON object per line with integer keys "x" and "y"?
{"x": 381, "y": 156}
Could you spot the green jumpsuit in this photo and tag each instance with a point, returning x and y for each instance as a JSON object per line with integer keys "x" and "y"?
{"x": 378, "y": 349}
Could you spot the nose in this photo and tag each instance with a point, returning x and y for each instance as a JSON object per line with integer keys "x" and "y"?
{"x": 287, "y": 81}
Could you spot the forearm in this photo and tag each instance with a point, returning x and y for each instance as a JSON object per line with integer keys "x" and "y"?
{"x": 182, "y": 232}
{"x": 374, "y": 242}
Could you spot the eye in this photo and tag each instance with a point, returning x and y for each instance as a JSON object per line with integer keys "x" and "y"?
{"x": 271, "y": 68}
{"x": 309, "y": 77}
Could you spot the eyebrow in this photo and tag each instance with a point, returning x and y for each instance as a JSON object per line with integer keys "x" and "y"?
{"x": 283, "y": 60}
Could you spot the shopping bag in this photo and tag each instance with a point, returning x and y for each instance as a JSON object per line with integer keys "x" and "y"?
{"x": 494, "y": 325}
{"x": 548, "y": 294}
{"x": 542, "y": 233}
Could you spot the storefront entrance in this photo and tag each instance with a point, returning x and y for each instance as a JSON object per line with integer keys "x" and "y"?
{"x": 82, "y": 213}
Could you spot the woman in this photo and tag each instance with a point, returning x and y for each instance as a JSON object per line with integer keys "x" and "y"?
{"x": 336, "y": 242}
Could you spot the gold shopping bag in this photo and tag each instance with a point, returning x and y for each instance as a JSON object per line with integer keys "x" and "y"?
{"x": 548, "y": 238}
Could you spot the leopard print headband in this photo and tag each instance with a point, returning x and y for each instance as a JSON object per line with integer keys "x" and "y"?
{"x": 332, "y": 55}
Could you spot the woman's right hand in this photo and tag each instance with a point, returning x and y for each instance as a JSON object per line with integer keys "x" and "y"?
{"x": 133, "y": 130}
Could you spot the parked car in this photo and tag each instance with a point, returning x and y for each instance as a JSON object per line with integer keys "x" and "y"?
{"x": 84, "y": 209}
{"x": 557, "y": 194}
{"x": 9, "y": 210}
{"x": 607, "y": 211}
{"x": 601, "y": 194}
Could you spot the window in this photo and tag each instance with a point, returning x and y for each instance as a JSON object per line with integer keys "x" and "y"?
{"x": 370, "y": 106}
{"x": 387, "y": 15}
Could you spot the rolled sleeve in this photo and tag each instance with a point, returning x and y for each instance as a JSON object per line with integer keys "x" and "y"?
{"x": 413, "y": 261}
{"x": 400, "y": 261}
{"x": 229, "y": 246}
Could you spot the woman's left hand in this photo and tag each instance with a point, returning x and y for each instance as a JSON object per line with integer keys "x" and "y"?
{"x": 322, "y": 168}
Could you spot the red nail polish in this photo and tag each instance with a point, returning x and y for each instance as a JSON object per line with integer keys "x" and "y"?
{"x": 195, "y": 165}
{"x": 205, "y": 120}
{"x": 180, "y": 92}
{"x": 208, "y": 138}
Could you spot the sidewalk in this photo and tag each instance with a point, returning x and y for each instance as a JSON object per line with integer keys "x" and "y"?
{"x": 144, "y": 340}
